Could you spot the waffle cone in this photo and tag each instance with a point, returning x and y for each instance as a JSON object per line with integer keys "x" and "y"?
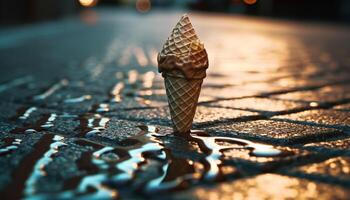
{"x": 182, "y": 96}
{"x": 183, "y": 62}
{"x": 184, "y": 52}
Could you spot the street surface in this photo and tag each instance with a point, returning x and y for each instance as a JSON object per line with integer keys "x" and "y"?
{"x": 77, "y": 94}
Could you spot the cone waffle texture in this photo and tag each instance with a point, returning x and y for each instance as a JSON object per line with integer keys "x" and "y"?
{"x": 182, "y": 98}
{"x": 183, "y": 62}
{"x": 183, "y": 52}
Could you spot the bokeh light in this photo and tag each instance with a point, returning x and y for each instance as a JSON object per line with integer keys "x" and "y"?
{"x": 143, "y": 6}
{"x": 250, "y": 2}
{"x": 88, "y": 3}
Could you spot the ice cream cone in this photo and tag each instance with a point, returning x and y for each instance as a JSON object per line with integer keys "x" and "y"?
{"x": 183, "y": 62}
{"x": 182, "y": 98}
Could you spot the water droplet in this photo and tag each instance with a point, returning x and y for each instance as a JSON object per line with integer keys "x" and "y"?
{"x": 46, "y": 121}
{"x": 27, "y": 113}
{"x": 30, "y": 131}
{"x": 10, "y": 145}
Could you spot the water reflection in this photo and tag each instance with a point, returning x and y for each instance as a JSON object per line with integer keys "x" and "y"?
{"x": 270, "y": 186}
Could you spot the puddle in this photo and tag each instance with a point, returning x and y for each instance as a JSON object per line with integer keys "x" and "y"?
{"x": 27, "y": 113}
{"x": 91, "y": 124}
{"x": 40, "y": 166}
{"x": 49, "y": 121}
{"x": 108, "y": 169}
{"x": 10, "y": 144}
{"x": 30, "y": 167}
{"x": 130, "y": 85}
{"x": 100, "y": 108}
{"x": 24, "y": 113}
{"x": 44, "y": 123}
{"x": 215, "y": 146}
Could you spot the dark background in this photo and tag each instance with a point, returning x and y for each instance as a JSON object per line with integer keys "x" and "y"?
{"x": 14, "y": 12}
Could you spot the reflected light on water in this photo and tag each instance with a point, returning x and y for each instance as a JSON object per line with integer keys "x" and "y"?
{"x": 338, "y": 167}
{"x": 257, "y": 53}
{"x": 273, "y": 187}
{"x": 148, "y": 78}
{"x": 88, "y": 3}
{"x": 143, "y": 6}
{"x": 313, "y": 104}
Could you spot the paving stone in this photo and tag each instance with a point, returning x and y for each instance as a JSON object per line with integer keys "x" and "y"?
{"x": 268, "y": 186}
{"x": 118, "y": 130}
{"x": 99, "y": 104}
{"x": 9, "y": 161}
{"x": 218, "y": 78}
{"x": 259, "y": 104}
{"x": 251, "y": 89}
{"x": 203, "y": 114}
{"x": 209, "y": 114}
{"x": 342, "y": 144}
{"x": 322, "y": 117}
{"x": 278, "y": 131}
{"x": 324, "y": 94}
{"x": 312, "y": 79}
{"x": 6, "y": 128}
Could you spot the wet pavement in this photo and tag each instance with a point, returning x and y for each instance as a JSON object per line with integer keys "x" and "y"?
{"x": 84, "y": 112}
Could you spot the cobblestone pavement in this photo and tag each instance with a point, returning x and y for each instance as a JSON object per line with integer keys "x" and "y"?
{"x": 74, "y": 93}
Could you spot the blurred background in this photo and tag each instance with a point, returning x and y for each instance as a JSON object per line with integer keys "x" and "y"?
{"x": 14, "y": 12}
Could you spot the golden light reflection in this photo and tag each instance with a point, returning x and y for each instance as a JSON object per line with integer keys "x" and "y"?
{"x": 141, "y": 57}
{"x": 227, "y": 170}
{"x": 132, "y": 76}
{"x": 257, "y": 54}
{"x": 147, "y": 79}
{"x": 116, "y": 92}
{"x": 255, "y": 58}
{"x": 313, "y": 104}
{"x": 88, "y": 3}
{"x": 153, "y": 56}
{"x": 143, "y": 6}
{"x": 158, "y": 92}
{"x": 114, "y": 194}
{"x": 273, "y": 187}
{"x": 339, "y": 166}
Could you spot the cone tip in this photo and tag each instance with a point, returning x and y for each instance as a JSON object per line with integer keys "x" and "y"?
{"x": 184, "y": 17}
